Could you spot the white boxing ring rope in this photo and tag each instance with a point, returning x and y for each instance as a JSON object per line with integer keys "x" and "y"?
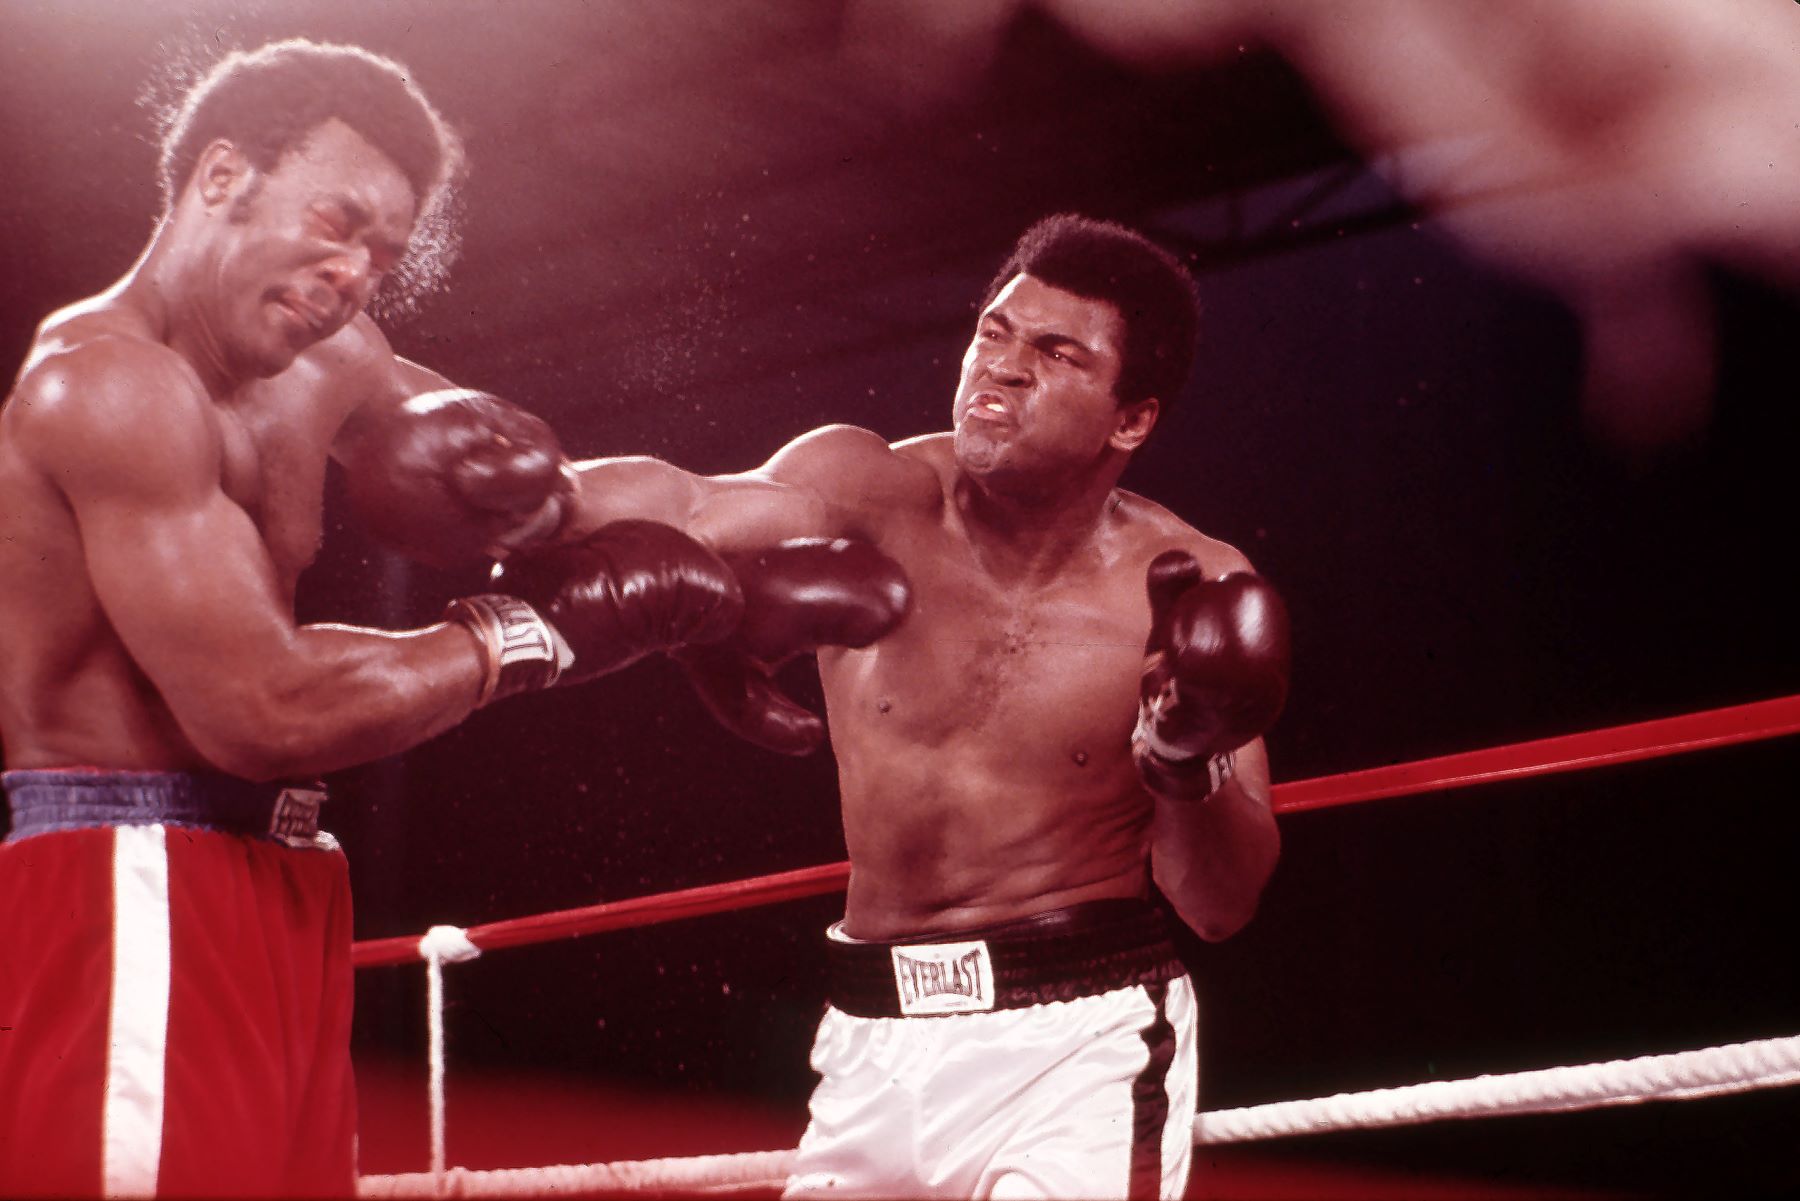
{"x": 1683, "y": 1076}
{"x": 1714, "y": 1071}
{"x": 1687, "y": 1075}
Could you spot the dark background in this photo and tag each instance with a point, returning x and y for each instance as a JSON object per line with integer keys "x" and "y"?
{"x": 695, "y": 230}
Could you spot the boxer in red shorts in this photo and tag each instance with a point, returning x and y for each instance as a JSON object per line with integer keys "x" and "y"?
{"x": 174, "y": 930}
{"x": 179, "y": 995}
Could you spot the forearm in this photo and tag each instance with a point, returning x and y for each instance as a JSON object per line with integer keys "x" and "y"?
{"x": 727, "y": 513}
{"x": 634, "y": 488}
{"x": 1212, "y": 858}
{"x": 337, "y": 697}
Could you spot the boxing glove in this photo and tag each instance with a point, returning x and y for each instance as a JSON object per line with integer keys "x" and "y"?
{"x": 455, "y": 476}
{"x": 798, "y": 596}
{"x": 575, "y": 611}
{"x": 1215, "y": 674}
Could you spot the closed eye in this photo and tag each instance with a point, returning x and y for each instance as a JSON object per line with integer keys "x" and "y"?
{"x": 334, "y": 225}
{"x": 384, "y": 255}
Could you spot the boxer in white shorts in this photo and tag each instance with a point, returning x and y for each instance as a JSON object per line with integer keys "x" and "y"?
{"x": 1053, "y": 1057}
{"x": 1070, "y": 712}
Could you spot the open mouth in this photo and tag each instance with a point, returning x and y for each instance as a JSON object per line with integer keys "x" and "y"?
{"x": 988, "y": 406}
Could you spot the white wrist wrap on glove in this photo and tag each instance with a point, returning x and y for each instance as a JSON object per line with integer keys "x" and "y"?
{"x": 1145, "y": 737}
{"x": 1219, "y": 767}
{"x": 523, "y": 651}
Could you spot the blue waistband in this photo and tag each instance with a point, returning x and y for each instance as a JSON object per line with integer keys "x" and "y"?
{"x": 45, "y": 802}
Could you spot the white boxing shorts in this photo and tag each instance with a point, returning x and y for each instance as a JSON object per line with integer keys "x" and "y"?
{"x": 1053, "y": 1057}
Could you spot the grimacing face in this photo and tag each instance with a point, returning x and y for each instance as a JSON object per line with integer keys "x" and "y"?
{"x": 1036, "y": 404}
{"x": 302, "y": 248}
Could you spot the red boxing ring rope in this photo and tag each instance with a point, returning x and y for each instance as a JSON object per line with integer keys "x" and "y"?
{"x": 1570, "y": 752}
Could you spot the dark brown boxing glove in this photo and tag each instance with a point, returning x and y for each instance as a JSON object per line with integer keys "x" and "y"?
{"x": 455, "y": 476}
{"x": 1215, "y": 674}
{"x": 799, "y": 595}
{"x": 575, "y": 611}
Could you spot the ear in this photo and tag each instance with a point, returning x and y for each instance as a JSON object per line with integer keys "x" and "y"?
{"x": 1134, "y": 423}
{"x": 220, "y": 172}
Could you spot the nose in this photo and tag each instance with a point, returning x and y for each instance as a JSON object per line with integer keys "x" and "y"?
{"x": 1006, "y": 365}
{"x": 350, "y": 273}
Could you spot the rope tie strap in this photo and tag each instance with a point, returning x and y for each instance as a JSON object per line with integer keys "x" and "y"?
{"x": 438, "y": 946}
{"x": 444, "y": 944}
{"x": 447, "y": 944}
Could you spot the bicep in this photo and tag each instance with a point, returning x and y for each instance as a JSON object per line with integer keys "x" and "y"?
{"x": 185, "y": 581}
{"x": 835, "y": 481}
{"x": 843, "y": 480}
{"x": 179, "y": 570}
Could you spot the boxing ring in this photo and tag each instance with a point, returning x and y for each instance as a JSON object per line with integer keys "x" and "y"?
{"x": 1679, "y": 1076}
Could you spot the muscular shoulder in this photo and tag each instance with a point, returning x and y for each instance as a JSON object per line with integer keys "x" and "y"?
{"x": 348, "y": 381}
{"x": 359, "y": 355}
{"x": 100, "y": 403}
{"x": 1150, "y": 529}
{"x": 855, "y": 469}
{"x": 92, "y": 332}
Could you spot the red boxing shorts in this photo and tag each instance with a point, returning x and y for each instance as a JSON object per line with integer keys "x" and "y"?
{"x": 1052, "y": 1057}
{"x": 176, "y": 1002}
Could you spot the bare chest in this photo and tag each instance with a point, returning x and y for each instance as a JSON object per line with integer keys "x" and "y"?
{"x": 1055, "y": 665}
{"x": 274, "y": 469}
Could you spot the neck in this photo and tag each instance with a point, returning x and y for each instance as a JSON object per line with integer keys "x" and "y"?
{"x": 160, "y": 285}
{"x": 1032, "y": 537}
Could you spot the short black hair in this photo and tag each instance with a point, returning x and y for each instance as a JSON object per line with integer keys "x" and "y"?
{"x": 1155, "y": 295}
{"x": 270, "y": 100}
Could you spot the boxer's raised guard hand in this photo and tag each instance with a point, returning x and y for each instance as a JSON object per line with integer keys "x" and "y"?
{"x": 577, "y": 610}
{"x": 1215, "y": 674}
{"x": 799, "y": 595}
{"x": 455, "y": 476}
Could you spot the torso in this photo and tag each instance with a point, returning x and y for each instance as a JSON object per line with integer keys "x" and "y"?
{"x": 983, "y": 747}
{"x": 69, "y": 691}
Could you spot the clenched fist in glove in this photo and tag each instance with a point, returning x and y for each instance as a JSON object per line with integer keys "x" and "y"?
{"x": 1215, "y": 676}
{"x": 455, "y": 476}
{"x": 576, "y": 611}
{"x": 798, "y": 596}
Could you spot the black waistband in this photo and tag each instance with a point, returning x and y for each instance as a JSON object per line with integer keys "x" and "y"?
{"x": 45, "y": 802}
{"x": 1058, "y": 955}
